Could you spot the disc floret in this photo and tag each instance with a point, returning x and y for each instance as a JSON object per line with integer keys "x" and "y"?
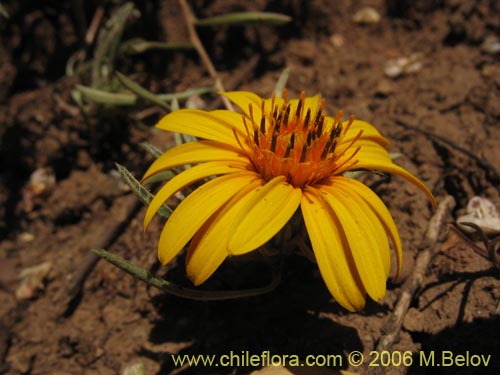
{"x": 297, "y": 141}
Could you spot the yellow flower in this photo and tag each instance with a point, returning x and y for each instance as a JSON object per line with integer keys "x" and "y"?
{"x": 278, "y": 155}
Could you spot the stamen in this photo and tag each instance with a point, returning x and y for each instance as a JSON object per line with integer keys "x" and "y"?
{"x": 303, "y": 153}
{"x": 338, "y": 129}
{"x": 238, "y": 139}
{"x": 308, "y": 117}
{"x": 335, "y": 132}
{"x": 286, "y": 115}
{"x": 328, "y": 146}
{"x": 272, "y": 122}
{"x": 355, "y": 139}
{"x": 319, "y": 126}
{"x": 263, "y": 124}
{"x": 331, "y": 144}
{"x": 298, "y": 112}
{"x": 320, "y": 111}
{"x": 290, "y": 145}
{"x": 275, "y": 112}
{"x": 338, "y": 116}
{"x": 309, "y": 138}
{"x": 349, "y": 123}
{"x": 273, "y": 141}
{"x": 256, "y": 136}
{"x": 250, "y": 110}
{"x": 278, "y": 122}
{"x": 246, "y": 126}
{"x": 332, "y": 147}
{"x": 343, "y": 164}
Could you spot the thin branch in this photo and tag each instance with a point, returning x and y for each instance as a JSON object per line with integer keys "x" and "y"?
{"x": 195, "y": 40}
{"x": 429, "y": 245}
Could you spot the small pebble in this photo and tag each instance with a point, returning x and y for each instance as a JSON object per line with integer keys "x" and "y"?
{"x": 491, "y": 45}
{"x": 403, "y": 65}
{"x": 196, "y": 102}
{"x": 26, "y": 237}
{"x": 483, "y": 213}
{"x": 136, "y": 368}
{"x": 32, "y": 280}
{"x": 42, "y": 180}
{"x": 366, "y": 15}
{"x": 337, "y": 40}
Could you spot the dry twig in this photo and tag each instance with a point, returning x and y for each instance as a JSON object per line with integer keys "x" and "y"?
{"x": 429, "y": 245}
{"x": 205, "y": 59}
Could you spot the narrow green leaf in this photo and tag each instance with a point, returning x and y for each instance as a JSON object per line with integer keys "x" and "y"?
{"x": 139, "y": 45}
{"x": 354, "y": 174}
{"x": 76, "y": 63}
{"x": 104, "y": 97}
{"x": 174, "y": 104}
{"x": 160, "y": 177}
{"x": 280, "y": 85}
{"x": 153, "y": 150}
{"x": 180, "y": 291}
{"x": 141, "y": 91}
{"x": 185, "y": 94}
{"x": 139, "y": 190}
{"x": 262, "y": 18}
{"x": 4, "y": 12}
{"x": 108, "y": 42}
{"x": 181, "y": 138}
{"x": 77, "y": 96}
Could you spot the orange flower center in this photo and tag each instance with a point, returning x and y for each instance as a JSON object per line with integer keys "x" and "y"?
{"x": 300, "y": 145}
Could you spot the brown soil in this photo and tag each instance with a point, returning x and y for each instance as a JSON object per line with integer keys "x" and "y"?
{"x": 116, "y": 320}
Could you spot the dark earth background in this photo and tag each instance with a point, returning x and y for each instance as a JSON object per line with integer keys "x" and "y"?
{"x": 75, "y": 199}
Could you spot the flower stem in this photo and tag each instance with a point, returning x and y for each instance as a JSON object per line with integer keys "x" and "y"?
{"x": 180, "y": 291}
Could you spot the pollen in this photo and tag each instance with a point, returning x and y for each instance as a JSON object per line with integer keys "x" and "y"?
{"x": 297, "y": 141}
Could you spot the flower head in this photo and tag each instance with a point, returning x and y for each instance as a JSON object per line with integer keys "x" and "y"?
{"x": 277, "y": 155}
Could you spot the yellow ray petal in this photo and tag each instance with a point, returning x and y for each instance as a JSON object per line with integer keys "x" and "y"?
{"x": 217, "y": 126}
{"x": 332, "y": 251}
{"x": 265, "y": 214}
{"x": 192, "y": 153}
{"x": 379, "y": 208}
{"x": 381, "y": 164}
{"x": 193, "y": 211}
{"x": 186, "y": 178}
{"x": 362, "y": 210}
{"x": 208, "y": 249}
{"x": 368, "y": 150}
{"x": 369, "y": 133}
{"x": 244, "y": 99}
{"x": 364, "y": 247}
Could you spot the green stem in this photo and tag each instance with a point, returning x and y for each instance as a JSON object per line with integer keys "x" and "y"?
{"x": 180, "y": 291}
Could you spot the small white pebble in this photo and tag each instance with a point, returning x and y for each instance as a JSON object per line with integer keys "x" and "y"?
{"x": 196, "y": 102}
{"x": 491, "y": 45}
{"x": 366, "y": 15}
